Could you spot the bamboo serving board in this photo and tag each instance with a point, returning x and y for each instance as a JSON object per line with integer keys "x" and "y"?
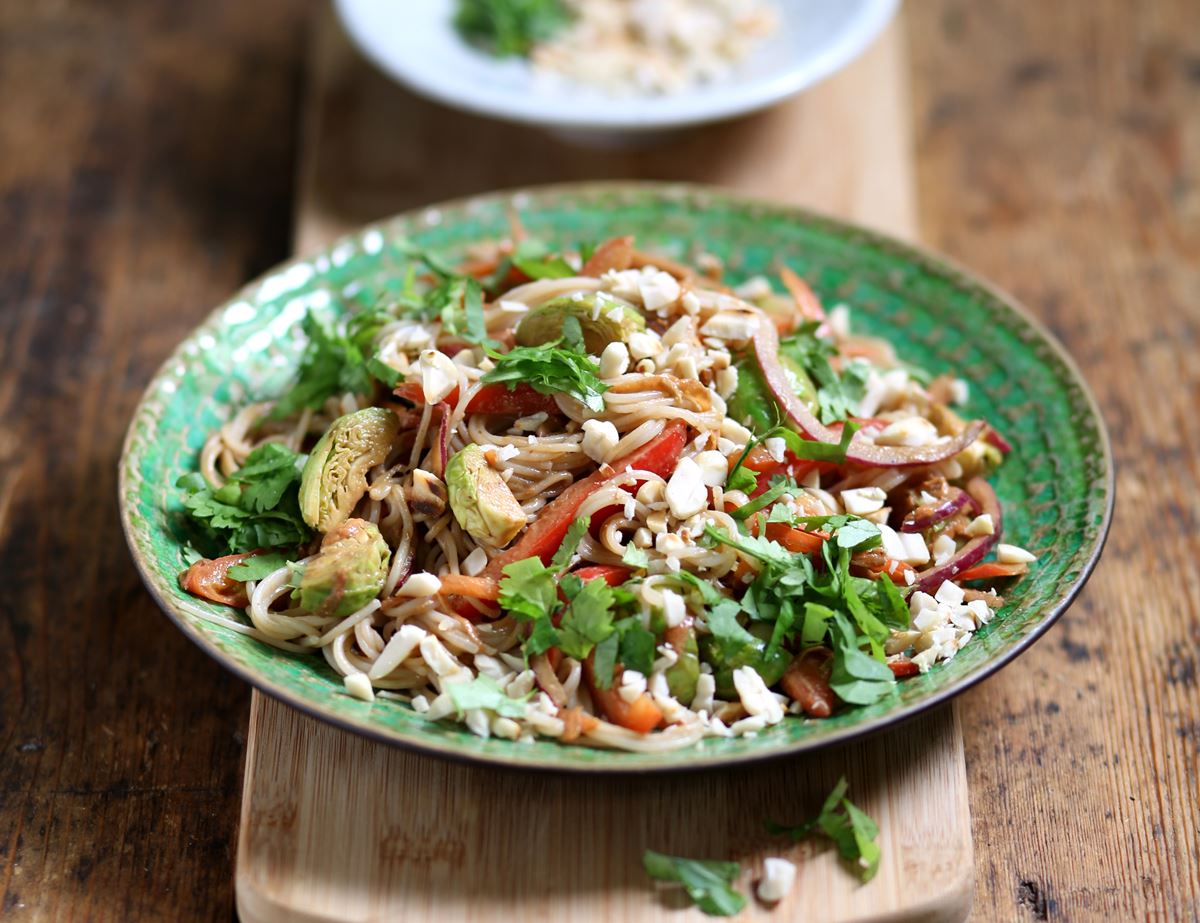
{"x": 335, "y": 827}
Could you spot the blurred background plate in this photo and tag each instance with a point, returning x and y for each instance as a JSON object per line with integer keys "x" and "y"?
{"x": 416, "y": 43}
{"x": 1056, "y": 486}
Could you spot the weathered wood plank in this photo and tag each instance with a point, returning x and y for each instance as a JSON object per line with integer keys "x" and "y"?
{"x": 145, "y": 173}
{"x": 1059, "y": 146}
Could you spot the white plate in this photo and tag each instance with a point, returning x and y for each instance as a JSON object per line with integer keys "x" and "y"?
{"x": 415, "y": 42}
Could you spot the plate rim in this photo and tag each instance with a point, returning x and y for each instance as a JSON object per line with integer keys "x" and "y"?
{"x": 911, "y": 253}
{"x": 657, "y": 113}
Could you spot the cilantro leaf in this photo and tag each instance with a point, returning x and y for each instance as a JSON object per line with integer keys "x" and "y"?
{"x": 510, "y": 27}
{"x": 870, "y": 625}
{"x": 637, "y": 648}
{"x": 857, "y": 678}
{"x": 865, "y": 832}
{"x": 708, "y": 883}
{"x": 550, "y": 369}
{"x": 731, "y": 642}
{"x": 570, "y": 543}
{"x": 785, "y": 488}
{"x": 850, "y": 531}
{"x": 708, "y": 592}
{"x": 484, "y": 692}
{"x": 534, "y": 258}
{"x": 383, "y": 372}
{"x": 543, "y": 637}
{"x": 258, "y": 507}
{"x": 433, "y": 261}
{"x": 475, "y": 327}
{"x": 635, "y": 557}
{"x": 763, "y": 549}
{"x": 837, "y": 395}
{"x": 816, "y": 623}
{"x": 257, "y": 567}
{"x": 332, "y": 363}
{"x": 604, "y": 660}
{"x": 859, "y": 535}
{"x": 528, "y": 590}
{"x": 852, "y": 831}
{"x": 822, "y": 451}
{"x": 588, "y": 619}
{"x": 741, "y": 478}
{"x": 269, "y": 471}
{"x": 892, "y": 607}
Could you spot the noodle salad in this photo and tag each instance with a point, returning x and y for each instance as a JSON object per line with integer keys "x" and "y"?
{"x": 599, "y": 496}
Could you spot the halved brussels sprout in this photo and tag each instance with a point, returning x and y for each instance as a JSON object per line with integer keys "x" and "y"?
{"x": 335, "y": 476}
{"x": 603, "y": 318}
{"x": 482, "y": 502}
{"x": 979, "y": 459}
{"x": 352, "y": 564}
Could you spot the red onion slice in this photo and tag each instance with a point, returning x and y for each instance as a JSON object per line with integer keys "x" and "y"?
{"x": 992, "y": 437}
{"x": 443, "y": 441}
{"x": 973, "y": 551}
{"x": 766, "y": 352}
{"x": 923, "y": 517}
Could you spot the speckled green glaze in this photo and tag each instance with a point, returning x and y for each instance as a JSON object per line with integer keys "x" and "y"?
{"x": 1056, "y": 487}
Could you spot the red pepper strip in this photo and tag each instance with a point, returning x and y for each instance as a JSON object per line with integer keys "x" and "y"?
{"x": 796, "y": 540}
{"x": 475, "y": 587}
{"x": 898, "y": 571}
{"x": 209, "y": 579}
{"x": 763, "y": 462}
{"x": 523, "y": 399}
{"x": 544, "y": 535}
{"x": 640, "y": 715}
{"x": 410, "y": 391}
{"x": 762, "y": 484}
{"x": 807, "y": 302}
{"x": 992, "y": 436}
{"x": 612, "y": 574}
{"x": 766, "y": 353}
{"x": 902, "y": 668}
{"x": 614, "y": 253}
{"x": 494, "y": 398}
{"x": 991, "y": 570}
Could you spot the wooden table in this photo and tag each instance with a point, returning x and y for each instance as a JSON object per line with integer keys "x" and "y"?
{"x": 146, "y": 165}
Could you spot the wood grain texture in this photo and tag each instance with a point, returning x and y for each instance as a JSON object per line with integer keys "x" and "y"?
{"x": 124, "y": 218}
{"x": 335, "y": 827}
{"x": 1059, "y": 154}
{"x": 339, "y": 828}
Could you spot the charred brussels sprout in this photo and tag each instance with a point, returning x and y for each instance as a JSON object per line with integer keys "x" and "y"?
{"x": 603, "y": 318}
{"x": 481, "y": 501}
{"x": 349, "y": 570}
{"x": 335, "y": 476}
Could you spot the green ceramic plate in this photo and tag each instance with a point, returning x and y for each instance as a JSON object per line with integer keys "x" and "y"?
{"x": 1056, "y": 487}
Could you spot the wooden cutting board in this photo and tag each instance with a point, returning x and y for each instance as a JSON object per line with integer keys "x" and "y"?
{"x": 335, "y": 827}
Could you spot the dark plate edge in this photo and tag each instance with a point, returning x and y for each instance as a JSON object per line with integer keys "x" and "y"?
{"x": 925, "y": 256}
